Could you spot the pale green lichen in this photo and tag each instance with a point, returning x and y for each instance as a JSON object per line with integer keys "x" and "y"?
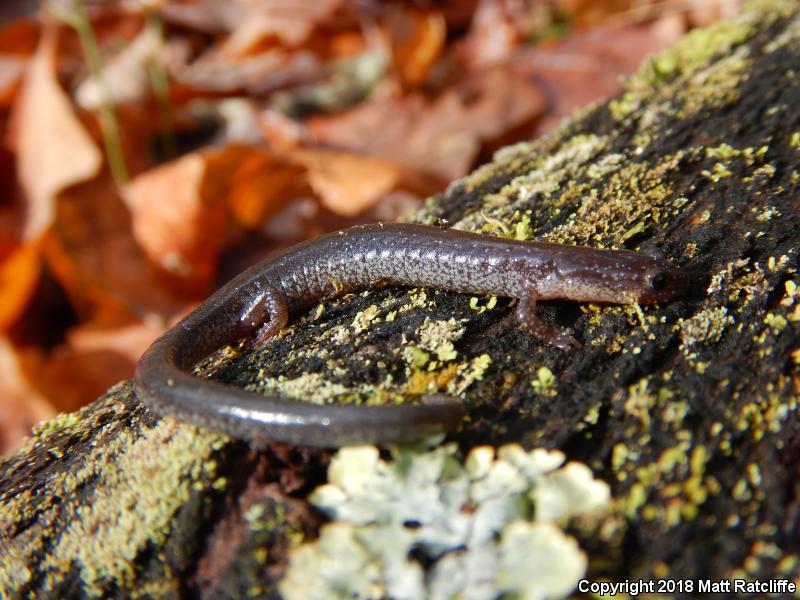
{"x": 545, "y": 382}
{"x": 704, "y": 328}
{"x": 474, "y": 304}
{"x": 543, "y": 177}
{"x": 486, "y": 528}
{"x": 522, "y": 229}
{"x": 317, "y": 389}
{"x": 789, "y": 35}
{"x": 438, "y": 337}
{"x": 719, "y": 171}
{"x": 134, "y": 497}
{"x": 364, "y": 319}
{"x": 468, "y": 373}
{"x": 415, "y": 356}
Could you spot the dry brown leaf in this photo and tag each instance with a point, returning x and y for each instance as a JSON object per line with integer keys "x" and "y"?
{"x": 179, "y": 214}
{"x": 252, "y": 23}
{"x": 180, "y": 210}
{"x": 440, "y": 138}
{"x": 290, "y": 21}
{"x": 93, "y": 357}
{"x": 260, "y": 74}
{"x": 94, "y": 257}
{"x": 499, "y": 99}
{"x": 492, "y": 37}
{"x": 706, "y": 12}
{"x": 53, "y": 149}
{"x": 19, "y": 273}
{"x": 407, "y": 131}
{"x": 12, "y": 69}
{"x": 262, "y": 186}
{"x": 71, "y": 377}
{"x": 587, "y": 64}
{"x": 417, "y": 39}
{"x": 21, "y": 405}
{"x": 346, "y": 183}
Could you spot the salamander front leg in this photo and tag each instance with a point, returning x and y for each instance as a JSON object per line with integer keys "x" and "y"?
{"x": 526, "y": 315}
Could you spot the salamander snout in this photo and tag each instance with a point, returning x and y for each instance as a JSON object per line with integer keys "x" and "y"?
{"x": 661, "y": 282}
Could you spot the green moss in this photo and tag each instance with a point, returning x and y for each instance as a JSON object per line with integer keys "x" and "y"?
{"x": 687, "y": 56}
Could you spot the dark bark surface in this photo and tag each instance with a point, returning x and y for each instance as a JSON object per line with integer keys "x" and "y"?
{"x": 688, "y": 410}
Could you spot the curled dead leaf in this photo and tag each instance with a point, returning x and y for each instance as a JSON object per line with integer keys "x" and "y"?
{"x": 54, "y": 151}
{"x": 181, "y": 210}
{"x": 19, "y": 273}
{"x": 417, "y": 39}
{"x": 99, "y": 265}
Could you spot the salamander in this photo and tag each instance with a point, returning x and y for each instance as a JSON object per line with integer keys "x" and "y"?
{"x": 260, "y": 300}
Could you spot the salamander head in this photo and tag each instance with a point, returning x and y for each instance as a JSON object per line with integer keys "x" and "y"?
{"x": 660, "y": 283}
{"x": 617, "y": 276}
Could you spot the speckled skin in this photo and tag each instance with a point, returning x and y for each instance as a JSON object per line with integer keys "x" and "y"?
{"x": 263, "y": 296}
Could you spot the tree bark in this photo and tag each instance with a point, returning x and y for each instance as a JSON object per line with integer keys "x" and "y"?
{"x": 688, "y": 409}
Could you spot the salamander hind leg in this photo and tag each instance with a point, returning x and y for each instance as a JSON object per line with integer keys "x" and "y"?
{"x": 526, "y": 315}
{"x": 267, "y": 313}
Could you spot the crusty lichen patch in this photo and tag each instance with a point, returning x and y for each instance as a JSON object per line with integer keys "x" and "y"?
{"x": 137, "y": 483}
{"x": 488, "y": 527}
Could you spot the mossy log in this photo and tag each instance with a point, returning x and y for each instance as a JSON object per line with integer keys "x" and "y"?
{"x": 688, "y": 410}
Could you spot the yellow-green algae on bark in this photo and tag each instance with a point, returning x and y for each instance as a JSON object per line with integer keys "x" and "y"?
{"x": 116, "y": 499}
{"x": 688, "y": 410}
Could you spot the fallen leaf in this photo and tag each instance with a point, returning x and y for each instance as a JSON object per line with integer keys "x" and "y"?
{"x": 492, "y": 37}
{"x": 53, "y": 149}
{"x": 181, "y": 210}
{"x": 440, "y": 137}
{"x": 261, "y": 186}
{"x": 417, "y": 39}
{"x": 256, "y": 75}
{"x": 128, "y": 338}
{"x": 12, "y": 69}
{"x": 251, "y": 23}
{"x": 19, "y": 273}
{"x": 178, "y": 212}
{"x": 290, "y": 21}
{"x": 346, "y": 183}
{"x": 588, "y": 64}
{"x": 93, "y": 358}
{"x": 22, "y": 406}
{"x": 100, "y": 266}
{"x": 703, "y": 14}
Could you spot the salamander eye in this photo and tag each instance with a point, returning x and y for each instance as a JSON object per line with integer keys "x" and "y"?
{"x": 657, "y": 280}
